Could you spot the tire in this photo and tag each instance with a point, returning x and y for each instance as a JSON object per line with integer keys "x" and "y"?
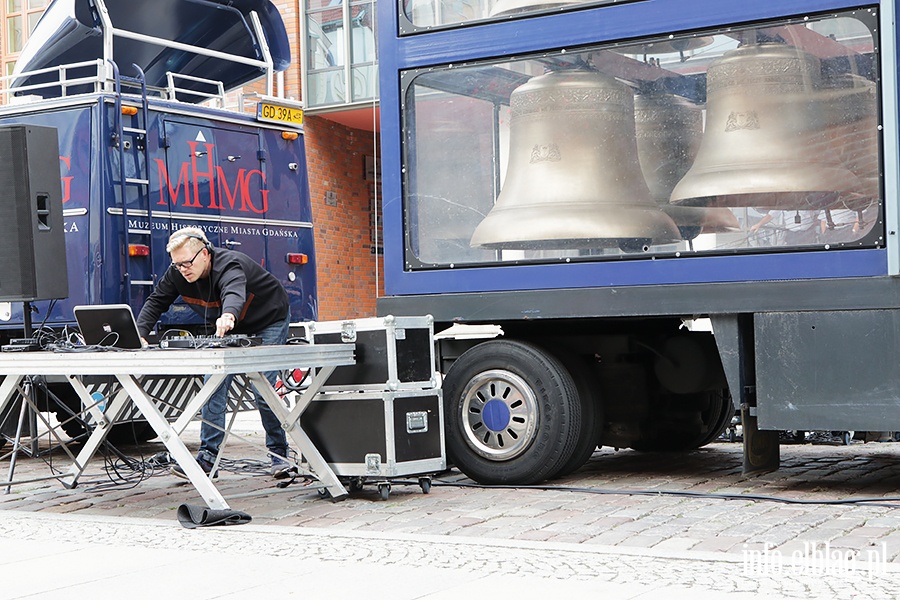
{"x": 715, "y": 417}
{"x": 591, "y": 411}
{"x": 513, "y": 414}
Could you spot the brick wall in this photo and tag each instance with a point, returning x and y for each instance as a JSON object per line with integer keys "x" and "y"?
{"x": 335, "y": 154}
{"x": 347, "y": 267}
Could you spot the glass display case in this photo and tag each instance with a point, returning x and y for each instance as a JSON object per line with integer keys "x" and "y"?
{"x": 419, "y": 15}
{"x": 721, "y": 141}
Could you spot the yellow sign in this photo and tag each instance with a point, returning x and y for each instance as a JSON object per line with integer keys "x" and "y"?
{"x": 279, "y": 114}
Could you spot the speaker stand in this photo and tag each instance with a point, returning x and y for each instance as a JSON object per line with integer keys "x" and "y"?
{"x": 27, "y": 390}
{"x": 26, "y": 316}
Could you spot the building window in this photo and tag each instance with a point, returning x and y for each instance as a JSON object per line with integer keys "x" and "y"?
{"x": 340, "y": 64}
{"x": 14, "y": 37}
{"x": 21, "y": 18}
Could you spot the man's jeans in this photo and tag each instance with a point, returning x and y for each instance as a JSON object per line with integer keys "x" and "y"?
{"x": 213, "y": 413}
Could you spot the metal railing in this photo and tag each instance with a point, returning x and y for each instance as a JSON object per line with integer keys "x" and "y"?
{"x": 103, "y": 79}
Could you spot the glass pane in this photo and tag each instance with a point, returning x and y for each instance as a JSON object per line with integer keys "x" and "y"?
{"x": 37, "y": 3}
{"x": 362, "y": 33}
{"x": 721, "y": 142}
{"x": 13, "y": 6}
{"x": 429, "y": 13}
{"x": 365, "y": 82}
{"x": 326, "y": 39}
{"x": 33, "y": 19}
{"x": 10, "y": 67}
{"x": 325, "y": 88}
{"x": 14, "y": 34}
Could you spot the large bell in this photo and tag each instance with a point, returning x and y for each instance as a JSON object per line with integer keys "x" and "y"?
{"x": 765, "y": 143}
{"x": 573, "y": 179}
{"x": 668, "y": 130}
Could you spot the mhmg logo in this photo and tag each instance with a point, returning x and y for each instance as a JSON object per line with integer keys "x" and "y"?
{"x": 223, "y": 194}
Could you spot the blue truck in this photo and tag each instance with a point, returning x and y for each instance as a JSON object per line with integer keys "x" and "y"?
{"x": 632, "y": 219}
{"x": 150, "y": 142}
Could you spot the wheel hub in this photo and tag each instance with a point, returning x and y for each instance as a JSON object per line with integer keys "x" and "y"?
{"x": 496, "y": 415}
{"x": 499, "y": 414}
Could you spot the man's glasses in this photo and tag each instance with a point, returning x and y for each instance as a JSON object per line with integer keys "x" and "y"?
{"x": 187, "y": 263}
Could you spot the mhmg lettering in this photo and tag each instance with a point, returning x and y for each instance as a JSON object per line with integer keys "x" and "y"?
{"x": 192, "y": 175}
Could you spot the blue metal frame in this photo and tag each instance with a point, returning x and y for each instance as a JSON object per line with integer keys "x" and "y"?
{"x": 589, "y": 26}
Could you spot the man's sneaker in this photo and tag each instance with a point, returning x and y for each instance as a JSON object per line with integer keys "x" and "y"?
{"x": 204, "y": 464}
{"x": 281, "y": 469}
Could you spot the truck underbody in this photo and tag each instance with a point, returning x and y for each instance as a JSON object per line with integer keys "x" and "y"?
{"x": 631, "y": 368}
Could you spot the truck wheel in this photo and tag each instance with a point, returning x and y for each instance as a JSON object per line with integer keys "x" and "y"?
{"x": 513, "y": 414}
{"x": 591, "y": 411}
{"x": 715, "y": 419}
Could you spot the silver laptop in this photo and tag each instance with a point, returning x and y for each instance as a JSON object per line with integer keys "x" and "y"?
{"x": 108, "y": 325}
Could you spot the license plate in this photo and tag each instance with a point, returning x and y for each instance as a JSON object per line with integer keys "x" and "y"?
{"x": 279, "y": 114}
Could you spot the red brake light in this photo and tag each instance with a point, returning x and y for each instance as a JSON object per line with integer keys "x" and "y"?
{"x": 138, "y": 250}
{"x": 296, "y": 258}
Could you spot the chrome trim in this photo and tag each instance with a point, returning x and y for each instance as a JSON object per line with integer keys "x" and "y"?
{"x": 213, "y": 218}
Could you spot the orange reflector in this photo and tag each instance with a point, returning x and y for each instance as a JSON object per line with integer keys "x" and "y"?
{"x": 290, "y": 135}
{"x": 129, "y": 110}
{"x": 138, "y": 250}
{"x": 296, "y": 258}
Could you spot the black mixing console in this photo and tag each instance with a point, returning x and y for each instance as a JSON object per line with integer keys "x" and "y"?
{"x": 236, "y": 340}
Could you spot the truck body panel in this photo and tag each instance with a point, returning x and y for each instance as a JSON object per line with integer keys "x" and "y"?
{"x": 510, "y": 143}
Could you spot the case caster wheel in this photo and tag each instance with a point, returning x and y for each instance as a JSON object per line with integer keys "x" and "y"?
{"x": 356, "y": 485}
{"x": 384, "y": 490}
{"x": 846, "y": 437}
{"x": 425, "y": 484}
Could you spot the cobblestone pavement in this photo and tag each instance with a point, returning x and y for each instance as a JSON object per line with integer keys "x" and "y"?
{"x": 408, "y": 566}
{"x": 824, "y": 525}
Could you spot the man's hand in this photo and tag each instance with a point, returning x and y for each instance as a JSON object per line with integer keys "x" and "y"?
{"x": 224, "y": 324}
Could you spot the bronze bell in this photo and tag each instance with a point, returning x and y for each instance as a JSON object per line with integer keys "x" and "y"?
{"x": 668, "y": 130}
{"x": 572, "y": 179}
{"x": 765, "y": 143}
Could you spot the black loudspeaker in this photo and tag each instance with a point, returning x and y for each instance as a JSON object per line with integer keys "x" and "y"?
{"x": 32, "y": 239}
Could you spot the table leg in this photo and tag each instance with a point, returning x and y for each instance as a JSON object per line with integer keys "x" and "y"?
{"x": 113, "y": 410}
{"x": 92, "y": 407}
{"x": 173, "y": 443}
{"x": 8, "y": 388}
{"x": 196, "y": 403}
{"x": 310, "y": 392}
{"x": 291, "y": 425}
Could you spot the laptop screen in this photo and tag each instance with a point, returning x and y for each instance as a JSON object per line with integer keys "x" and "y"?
{"x": 108, "y": 325}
